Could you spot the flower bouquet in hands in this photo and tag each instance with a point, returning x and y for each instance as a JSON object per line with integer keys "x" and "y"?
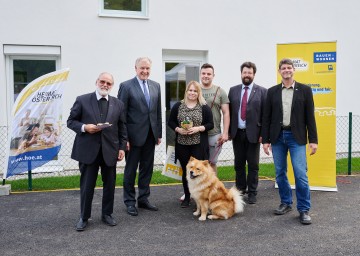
{"x": 187, "y": 123}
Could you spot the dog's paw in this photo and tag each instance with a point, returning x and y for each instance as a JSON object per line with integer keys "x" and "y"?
{"x": 196, "y": 213}
{"x": 202, "y": 218}
{"x": 212, "y": 217}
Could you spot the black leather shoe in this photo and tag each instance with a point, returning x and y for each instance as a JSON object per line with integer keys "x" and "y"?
{"x": 107, "y": 219}
{"x": 147, "y": 206}
{"x": 131, "y": 210}
{"x": 283, "y": 208}
{"x": 185, "y": 203}
{"x": 305, "y": 218}
{"x": 251, "y": 199}
{"x": 81, "y": 225}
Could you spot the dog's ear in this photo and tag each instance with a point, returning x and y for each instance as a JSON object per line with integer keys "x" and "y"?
{"x": 191, "y": 158}
{"x": 206, "y": 162}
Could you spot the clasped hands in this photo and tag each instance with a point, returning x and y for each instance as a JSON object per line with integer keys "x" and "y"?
{"x": 189, "y": 131}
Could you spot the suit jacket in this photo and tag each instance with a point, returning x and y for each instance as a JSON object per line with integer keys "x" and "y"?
{"x": 254, "y": 111}
{"x": 110, "y": 140}
{"x": 139, "y": 117}
{"x": 302, "y": 119}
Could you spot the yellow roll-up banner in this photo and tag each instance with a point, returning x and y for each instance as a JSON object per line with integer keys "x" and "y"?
{"x": 315, "y": 65}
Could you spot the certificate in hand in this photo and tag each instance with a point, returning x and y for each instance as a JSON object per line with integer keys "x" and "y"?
{"x": 103, "y": 125}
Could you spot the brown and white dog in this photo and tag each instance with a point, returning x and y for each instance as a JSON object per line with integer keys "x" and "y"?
{"x": 210, "y": 194}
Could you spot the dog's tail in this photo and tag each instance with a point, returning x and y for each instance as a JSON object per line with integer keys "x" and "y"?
{"x": 238, "y": 199}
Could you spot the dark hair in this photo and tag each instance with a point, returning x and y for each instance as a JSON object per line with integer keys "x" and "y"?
{"x": 248, "y": 64}
{"x": 32, "y": 126}
{"x": 286, "y": 61}
{"x": 207, "y": 65}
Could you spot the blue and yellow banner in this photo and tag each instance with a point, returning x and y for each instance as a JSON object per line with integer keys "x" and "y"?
{"x": 36, "y": 124}
{"x": 315, "y": 65}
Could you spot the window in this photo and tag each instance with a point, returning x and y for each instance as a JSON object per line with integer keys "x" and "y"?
{"x": 26, "y": 63}
{"x": 124, "y": 8}
{"x": 27, "y": 70}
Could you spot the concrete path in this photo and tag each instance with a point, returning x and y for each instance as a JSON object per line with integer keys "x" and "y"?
{"x": 43, "y": 224}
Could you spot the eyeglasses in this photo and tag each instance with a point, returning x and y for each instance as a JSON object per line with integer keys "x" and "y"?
{"x": 102, "y": 82}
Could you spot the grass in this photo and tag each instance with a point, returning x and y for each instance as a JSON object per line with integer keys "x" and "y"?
{"x": 342, "y": 165}
{"x": 225, "y": 173}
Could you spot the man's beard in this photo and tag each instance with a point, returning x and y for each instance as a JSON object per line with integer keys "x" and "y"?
{"x": 246, "y": 81}
{"x": 103, "y": 92}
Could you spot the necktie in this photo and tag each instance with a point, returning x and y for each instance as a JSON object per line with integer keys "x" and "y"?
{"x": 146, "y": 93}
{"x": 103, "y": 106}
{"x": 244, "y": 103}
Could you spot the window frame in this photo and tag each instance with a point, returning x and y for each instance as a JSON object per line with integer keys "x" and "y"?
{"x": 25, "y": 52}
{"x": 143, "y": 14}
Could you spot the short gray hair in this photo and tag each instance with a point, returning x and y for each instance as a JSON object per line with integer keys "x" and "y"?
{"x": 142, "y": 58}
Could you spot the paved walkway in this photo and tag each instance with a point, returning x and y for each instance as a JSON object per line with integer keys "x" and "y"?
{"x": 43, "y": 224}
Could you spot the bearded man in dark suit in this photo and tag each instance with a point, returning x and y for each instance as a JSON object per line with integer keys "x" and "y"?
{"x": 98, "y": 145}
{"x": 247, "y": 102}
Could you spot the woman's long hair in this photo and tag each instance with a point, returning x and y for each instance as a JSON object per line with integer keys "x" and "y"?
{"x": 197, "y": 86}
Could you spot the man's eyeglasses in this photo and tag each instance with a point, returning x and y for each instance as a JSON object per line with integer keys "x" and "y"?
{"x": 102, "y": 82}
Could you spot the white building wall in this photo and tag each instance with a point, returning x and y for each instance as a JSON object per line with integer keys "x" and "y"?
{"x": 232, "y": 31}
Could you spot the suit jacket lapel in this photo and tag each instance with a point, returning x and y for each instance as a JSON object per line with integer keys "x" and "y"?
{"x": 140, "y": 91}
{"x": 110, "y": 109}
{"x": 238, "y": 96}
{"x": 152, "y": 92}
{"x": 252, "y": 93}
{"x": 95, "y": 107}
{"x": 295, "y": 95}
{"x": 278, "y": 94}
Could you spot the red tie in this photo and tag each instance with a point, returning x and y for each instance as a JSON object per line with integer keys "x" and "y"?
{"x": 243, "y": 104}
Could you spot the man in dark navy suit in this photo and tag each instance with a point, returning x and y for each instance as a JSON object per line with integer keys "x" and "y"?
{"x": 142, "y": 101}
{"x": 247, "y": 102}
{"x": 98, "y": 145}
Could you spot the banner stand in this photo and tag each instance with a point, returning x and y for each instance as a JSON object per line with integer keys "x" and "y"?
{"x": 29, "y": 176}
{"x": 315, "y": 66}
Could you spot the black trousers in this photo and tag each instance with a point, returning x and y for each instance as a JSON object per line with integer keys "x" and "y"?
{"x": 244, "y": 151}
{"x": 184, "y": 152}
{"x": 142, "y": 157}
{"x": 89, "y": 174}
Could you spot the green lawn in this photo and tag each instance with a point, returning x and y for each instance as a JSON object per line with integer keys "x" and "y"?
{"x": 225, "y": 173}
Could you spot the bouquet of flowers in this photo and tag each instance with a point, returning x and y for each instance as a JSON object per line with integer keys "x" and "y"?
{"x": 187, "y": 123}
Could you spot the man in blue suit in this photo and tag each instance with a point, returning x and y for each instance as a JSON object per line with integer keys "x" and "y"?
{"x": 142, "y": 101}
{"x": 98, "y": 146}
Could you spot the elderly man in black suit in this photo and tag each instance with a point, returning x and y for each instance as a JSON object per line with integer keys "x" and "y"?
{"x": 288, "y": 124}
{"x": 247, "y": 102}
{"x": 98, "y": 146}
{"x": 142, "y": 101}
